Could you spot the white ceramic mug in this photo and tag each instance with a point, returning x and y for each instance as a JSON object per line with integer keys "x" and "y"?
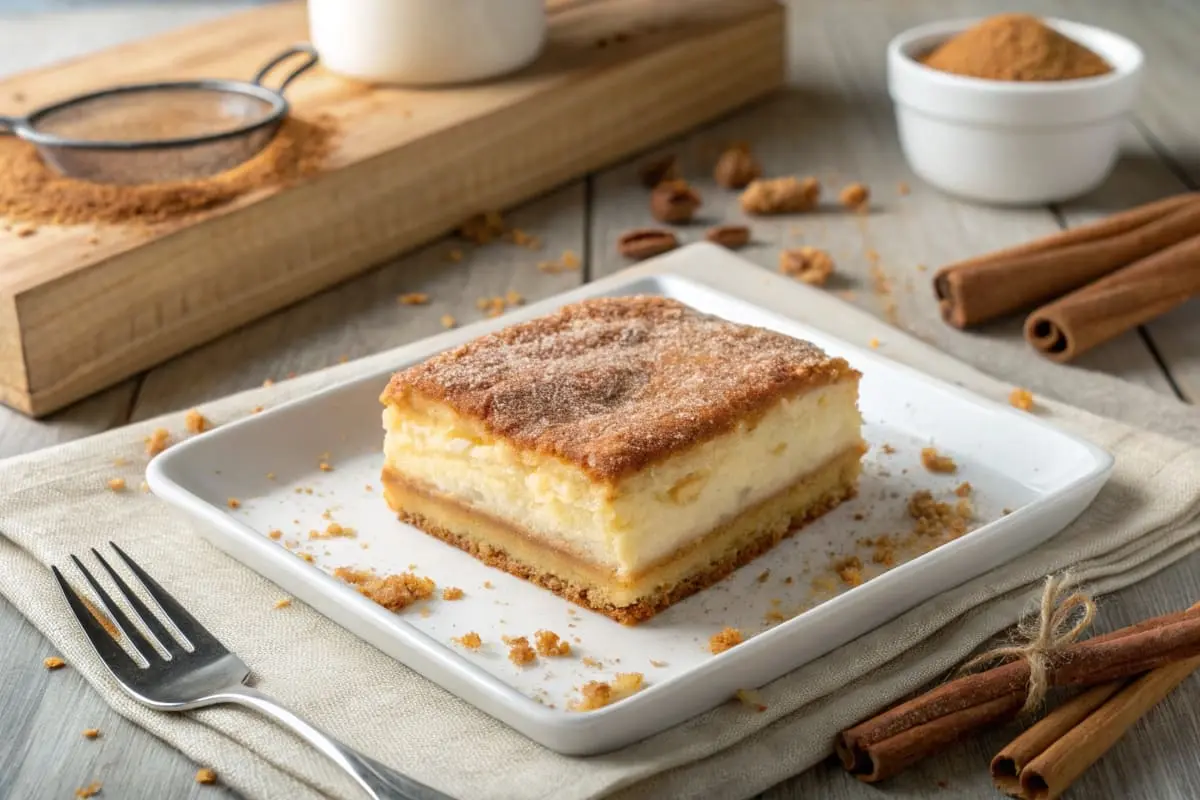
{"x": 426, "y": 42}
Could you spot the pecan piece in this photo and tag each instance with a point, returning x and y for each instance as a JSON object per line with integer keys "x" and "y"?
{"x": 643, "y": 243}
{"x": 781, "y": 196}
{"x": 736, "y": 167}
{"x": 652, "y": 173}
{"x": 674, "y": 202}
{"x": 806, "y": 264}
{"x": 731, "y": 236}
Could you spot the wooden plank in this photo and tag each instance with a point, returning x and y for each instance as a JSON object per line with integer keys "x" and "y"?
{"x": 91, "y": 314}
{"x": 315, "y": 333}
{"x": 1166, "y": 146}
{"x": 43, "y": 753}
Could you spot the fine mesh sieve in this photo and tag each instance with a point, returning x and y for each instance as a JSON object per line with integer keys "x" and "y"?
{"x": 158, "y": 132}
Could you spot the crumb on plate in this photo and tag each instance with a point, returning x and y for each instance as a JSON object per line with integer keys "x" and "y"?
{"x": 1021, "y": 398}
{"x": 549, "y": 645}
{"x": 469, "y": 640}
{"x": 519, "y": 651}
{"x": 934, "y": 461}
{"x": 724, "y": 640}
{"x": 452, "y": 593}
{"x": 393, "y": 592}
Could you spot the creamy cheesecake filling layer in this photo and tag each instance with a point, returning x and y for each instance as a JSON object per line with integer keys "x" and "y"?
{"x": 641, "y": 519}
{"x": 629, "y": 598}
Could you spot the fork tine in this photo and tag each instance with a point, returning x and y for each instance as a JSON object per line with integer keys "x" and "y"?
{"x": 106, "y": 646}
{"x": 188, "y": 625}
{"x": 131, "y": 632}
{"x": 164, "y": 636}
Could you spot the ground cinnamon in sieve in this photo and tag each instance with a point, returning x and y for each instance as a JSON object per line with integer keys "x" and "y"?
{"x": 1016, "y": 47}
{"x": 30, "y": 191}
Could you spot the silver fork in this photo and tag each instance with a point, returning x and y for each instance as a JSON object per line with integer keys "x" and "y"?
{"x": 202, "y": 672}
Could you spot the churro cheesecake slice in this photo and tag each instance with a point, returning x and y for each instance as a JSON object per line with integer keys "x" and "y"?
{"x": 623, "y": 453}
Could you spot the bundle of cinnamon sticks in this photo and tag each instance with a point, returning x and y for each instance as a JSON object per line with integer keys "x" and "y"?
{"x": 1043, "y": 761}
{"x": 1088, "y": 284}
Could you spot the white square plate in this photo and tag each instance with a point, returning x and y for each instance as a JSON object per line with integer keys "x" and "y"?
{"x": 1014, "y": 461}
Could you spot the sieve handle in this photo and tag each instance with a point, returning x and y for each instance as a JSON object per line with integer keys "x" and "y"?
{"x": 310, "y": 60}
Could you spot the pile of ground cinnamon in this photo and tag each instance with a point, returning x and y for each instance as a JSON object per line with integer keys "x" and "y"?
{"x": 1016, "y": 47}
{"x": 32, "y": 192}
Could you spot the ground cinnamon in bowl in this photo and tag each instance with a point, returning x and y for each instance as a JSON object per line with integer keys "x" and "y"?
{"x": 32, "y": 192}
{"x": 1016, "y": 47}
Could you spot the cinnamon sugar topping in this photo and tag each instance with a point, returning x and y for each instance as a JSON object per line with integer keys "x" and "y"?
{"x": 614, "y": 384}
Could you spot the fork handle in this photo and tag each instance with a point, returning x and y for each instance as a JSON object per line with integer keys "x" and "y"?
{"x": 380, "y": 782}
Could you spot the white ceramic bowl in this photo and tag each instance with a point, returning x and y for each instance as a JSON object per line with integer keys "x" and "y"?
{"x": 1011, "y": 142}
{"x": 426, "y": 42}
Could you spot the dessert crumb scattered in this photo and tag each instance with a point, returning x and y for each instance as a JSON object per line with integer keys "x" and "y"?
{"x": 91, "y": 790}
{"x": 519, "y": 651}
{"x": 448, "y": 321}
{"x": 233, "y": 502}
{"x": 275, "y": 534}
{"x": 469, "y": 640}
{"x": 325, "y": 466}
{"x": 283, "y": 602}
{"x": 488, "y": 585}
{"x": 91, "y": 733}
{"x": 856, "y": 197}
{"x": 452, "y": 593}
{"x": 935, "y": 518}
{"x": 902, "y": 188}
{"x": 874, "y": 343}
{"x": 195, "y": 422}
{"x": 934, "y": 461}
{"x": 550, "y": 646}
{"x": 724, "y": 640}
{"x": 567, "y": 262}
{"x": 413, "y": 299}
{"x": 658, "y": 664}
{"x": 1022, "y": 399}
{"x": 849, "y": 569}
{"x": 157, "y": 441}
{"x": 588, "y": 661}
{"x": 887, "y": 448}
{"x": 762, "y": 576}
{"x": 206, "y": 776}
{"x": 806, "y": 264}
{"x": 393, "y": 592}
{"x": 597, "y": 694}
{"x": 116, "y": 484}
{"x": 963, "y": 489}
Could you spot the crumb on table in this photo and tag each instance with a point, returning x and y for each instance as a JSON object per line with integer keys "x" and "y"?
{"x": 91, "y": 790}
{"x": 806, "y": 264}
{"x": 91, "y": 733}
{"x": 206, "y": 775}
{"x": 53, "y": 662}
{"x": 1021, "y": 398}
{"x": 855, "y": 197}
{"x": 283, "y": 602}
{"x": 195, "y": 422}
{"x": 452, "y": 593}
{"x": 549, "y": 645}
{"x": 934, "y": 461}
{"x": 448, "y": 321}
{"x": 393, "y": 592}
{"x": 157, "y": 441}
{"x": 116, "y": 484}
{"x": 413, "y": 299}
{"x": 469, "y": 640}
{"x": 233, "y": 502}
{"x": 724, "y": 640}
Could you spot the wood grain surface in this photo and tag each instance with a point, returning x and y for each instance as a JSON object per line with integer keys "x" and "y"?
{"x": 406, "y": 166}
{"x": 834, "y": 122}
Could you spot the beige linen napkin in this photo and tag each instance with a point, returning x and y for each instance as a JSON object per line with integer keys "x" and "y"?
{"x": 56, "y": 502}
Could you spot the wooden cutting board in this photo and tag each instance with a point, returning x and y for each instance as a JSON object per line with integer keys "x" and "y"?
{"x": 84, "y": 307}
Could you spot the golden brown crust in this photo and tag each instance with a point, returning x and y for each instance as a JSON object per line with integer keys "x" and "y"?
{"x": 612, "y": 385}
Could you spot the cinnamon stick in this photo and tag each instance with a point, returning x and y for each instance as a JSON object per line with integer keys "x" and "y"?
{"x": 1008, "y": 763}
{"x": 890, "y": 742}
{"x": 1052, "y": 773}
{"x": 981, "y": 289}
{"x": 1138, "y": 293}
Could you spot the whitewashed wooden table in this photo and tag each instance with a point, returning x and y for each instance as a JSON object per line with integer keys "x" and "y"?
{"x": 834, "y": 122}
